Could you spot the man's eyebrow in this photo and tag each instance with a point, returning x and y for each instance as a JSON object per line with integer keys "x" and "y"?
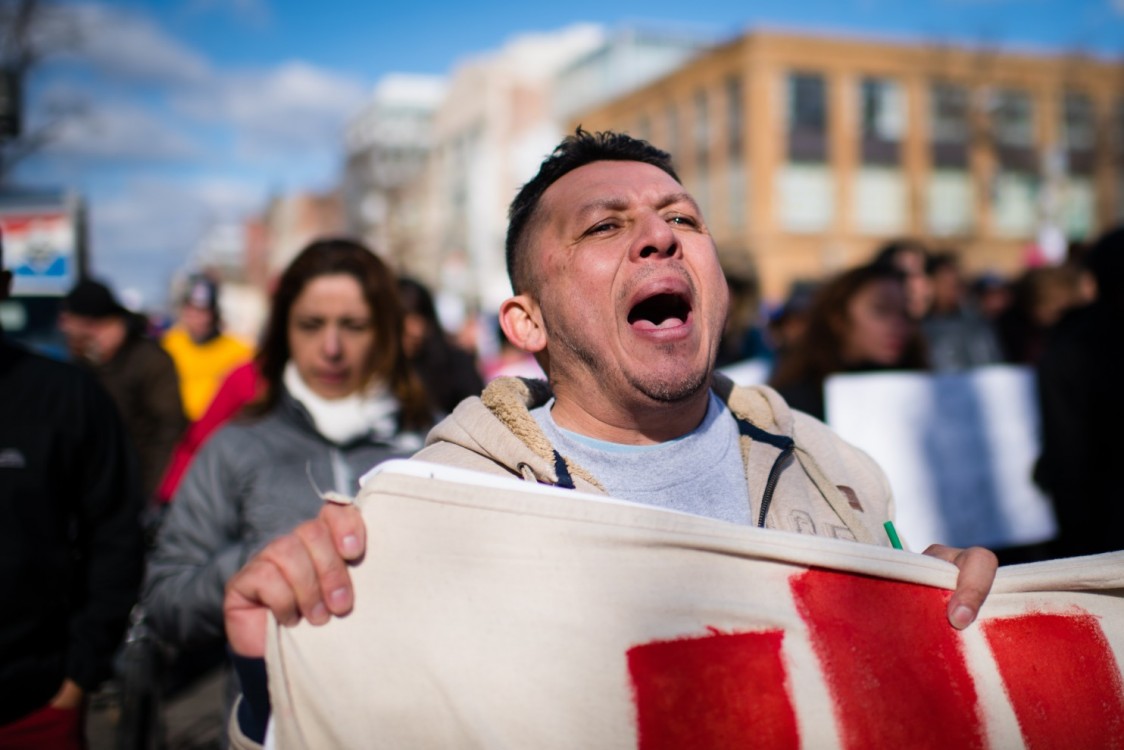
{"x": 617, "y": 203}
{"x": 612, "y": 203}
{"x": 672, "y": 198}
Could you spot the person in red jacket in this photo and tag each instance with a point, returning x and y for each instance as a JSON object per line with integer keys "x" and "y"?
{"x": 237, "y": 390}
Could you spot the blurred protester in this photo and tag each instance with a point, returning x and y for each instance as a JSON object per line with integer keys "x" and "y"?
{"x": 911, "y": 259}
{"x": 857, "y": 322}
{"x": 71, "y": 539}
{"x": 990, "y": 295}
{"x": 956, "y": 335}
{"x": 788, "y": 324}
{"x": 1039, "y": 298}
{"x": 338, "y": 397}
{"x": 139, "y": 375}
{"x": 203, "y": 354}
{"x": 448, "y": 372}
{"x": 239, "y": 388}
{"x": 743, "y": 338}
{"x": 1081, "y": 394}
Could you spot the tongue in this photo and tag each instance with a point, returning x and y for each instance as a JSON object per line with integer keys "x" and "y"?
{"x": 651, "y": 325}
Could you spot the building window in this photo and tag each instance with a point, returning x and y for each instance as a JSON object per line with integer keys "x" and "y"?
{"x": 735, "y": 117}
{"x": 644, "y": 128}
{"x": 1118, "y": 131}
{"x": 1012, "y": 123}
{"x": 882, "y": 112}
{"x": 1118, "y": 145}
{"x": 701, "y": 145}
{"x": 806, "y": 118}
{"x": 673, "y": 132}
{"x": 735, "y": 147}
{"x": 1079, "y": 131}
{"x": 949, "y": 125}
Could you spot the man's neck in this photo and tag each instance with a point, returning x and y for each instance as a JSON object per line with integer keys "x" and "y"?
{"x": 645, "y": 423}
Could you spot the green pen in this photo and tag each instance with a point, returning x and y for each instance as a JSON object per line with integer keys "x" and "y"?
{"x": 893, "y": 534}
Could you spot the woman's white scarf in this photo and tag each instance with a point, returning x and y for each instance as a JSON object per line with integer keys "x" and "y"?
{"x": 372, "y": 411}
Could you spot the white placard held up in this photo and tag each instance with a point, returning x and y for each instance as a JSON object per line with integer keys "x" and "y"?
{"x": 958, "y": 449}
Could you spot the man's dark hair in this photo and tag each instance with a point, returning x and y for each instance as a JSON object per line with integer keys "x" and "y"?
{"x": 574, "y": 151}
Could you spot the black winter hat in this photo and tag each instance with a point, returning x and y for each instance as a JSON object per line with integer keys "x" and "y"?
{"x": 92, "y": 299}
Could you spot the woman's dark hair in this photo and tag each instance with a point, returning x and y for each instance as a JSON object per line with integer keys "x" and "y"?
{"x": 448, "y": 372}
{"x": 574, "y": 151}
{"x": 388, "y": 363}
{"x": 416, "y": 298}
{"x": 820, "y": 351}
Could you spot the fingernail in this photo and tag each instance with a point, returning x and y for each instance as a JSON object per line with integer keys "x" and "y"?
{"x": 962, "y": 617}
{"x": 319, "y": 613}
{"x": 338, "y": 597}
{"x": 350, "y": 545}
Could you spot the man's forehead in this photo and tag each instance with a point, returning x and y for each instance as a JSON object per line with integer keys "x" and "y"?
{"x": 613, "y": 185}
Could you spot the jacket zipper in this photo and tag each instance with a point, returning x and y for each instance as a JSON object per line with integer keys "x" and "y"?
{"x": 784, "y": 443}
{"x": 771, "y": 482}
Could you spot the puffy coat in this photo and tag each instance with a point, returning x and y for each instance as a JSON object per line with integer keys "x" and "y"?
{"x": 251, "y": 482}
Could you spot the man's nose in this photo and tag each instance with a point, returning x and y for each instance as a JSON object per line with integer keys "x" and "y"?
{"x": 655, "y": 238}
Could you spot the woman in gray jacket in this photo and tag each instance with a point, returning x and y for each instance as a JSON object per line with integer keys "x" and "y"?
{"x": 338, "y": 398}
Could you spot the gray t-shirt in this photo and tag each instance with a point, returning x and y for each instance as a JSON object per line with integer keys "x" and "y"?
{"x": 700, "y": 473}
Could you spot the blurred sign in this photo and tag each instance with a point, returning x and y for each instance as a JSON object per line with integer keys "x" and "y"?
{"x": 40, "y": 249}
{"x": 958, "y": 449}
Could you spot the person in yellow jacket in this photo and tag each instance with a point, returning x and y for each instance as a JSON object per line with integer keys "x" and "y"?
{"x": 203, "y": 354}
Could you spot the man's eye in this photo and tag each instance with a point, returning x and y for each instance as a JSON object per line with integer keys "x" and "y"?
{"x": 683, "y": 221}
{"x": 604, "y": 226}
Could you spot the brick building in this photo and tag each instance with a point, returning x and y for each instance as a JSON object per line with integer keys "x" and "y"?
{"x": 808, "y": 152}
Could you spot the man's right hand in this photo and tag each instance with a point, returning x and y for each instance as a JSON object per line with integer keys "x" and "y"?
{"x": 300, "y": 575}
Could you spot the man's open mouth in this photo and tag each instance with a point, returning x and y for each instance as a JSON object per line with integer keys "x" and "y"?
{"x": 660, "y": 311}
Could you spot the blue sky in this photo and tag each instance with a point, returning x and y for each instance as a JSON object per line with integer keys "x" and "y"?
{"x": 193, "y": 111}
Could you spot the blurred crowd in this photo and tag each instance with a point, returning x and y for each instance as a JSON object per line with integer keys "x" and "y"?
{"x": 183, "y": 451}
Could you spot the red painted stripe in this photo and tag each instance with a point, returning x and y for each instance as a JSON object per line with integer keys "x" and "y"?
{"x": 1062, "y": 679}
{"x": 892, "y": 662}
{"x": 714, "y": 692}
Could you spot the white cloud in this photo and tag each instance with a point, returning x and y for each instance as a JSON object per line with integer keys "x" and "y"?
{"x": 128, "y": 45}
{"x": 293, "y": 106}
{"x": 121, "y": 131}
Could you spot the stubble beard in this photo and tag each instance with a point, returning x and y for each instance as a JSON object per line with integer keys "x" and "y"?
{"x": 660, "y": 390}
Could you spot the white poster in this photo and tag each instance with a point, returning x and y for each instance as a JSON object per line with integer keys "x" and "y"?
{"x": 958, "y": 448}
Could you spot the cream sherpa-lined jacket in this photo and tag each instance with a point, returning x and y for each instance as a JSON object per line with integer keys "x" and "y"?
{"x": 826, "y": 487}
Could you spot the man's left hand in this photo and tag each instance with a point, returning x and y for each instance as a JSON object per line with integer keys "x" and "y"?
{"x": 977, "y": 571}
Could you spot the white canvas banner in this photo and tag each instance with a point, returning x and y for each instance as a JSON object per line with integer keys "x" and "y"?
{"x": 495, "y": 614}
{"x": 959, "y": 450}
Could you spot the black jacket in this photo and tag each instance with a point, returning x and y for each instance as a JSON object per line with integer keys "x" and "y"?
{"x": 1081, "y": 395}
{"x": 70, "y": 539}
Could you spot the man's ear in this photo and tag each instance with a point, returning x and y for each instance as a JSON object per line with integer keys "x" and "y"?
{"x": 521, "y": 320}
